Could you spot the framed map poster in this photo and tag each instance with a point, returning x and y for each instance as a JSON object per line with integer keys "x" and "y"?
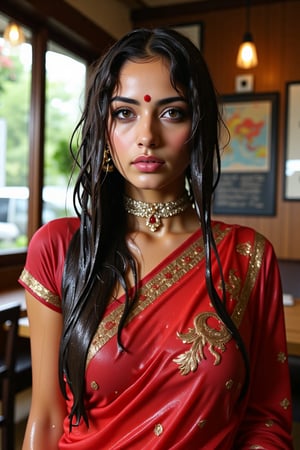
{"x": 248, "y": 160}
{"x": 292, "y": 142}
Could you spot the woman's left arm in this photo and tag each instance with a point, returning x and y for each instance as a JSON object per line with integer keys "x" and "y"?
{"x": 268, "y": 415}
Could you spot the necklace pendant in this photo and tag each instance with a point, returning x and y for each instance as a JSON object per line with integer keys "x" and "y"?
{"x": 153, "y": 222}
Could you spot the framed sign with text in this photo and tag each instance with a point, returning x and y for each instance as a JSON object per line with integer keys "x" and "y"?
{"x": 248, "y": 161}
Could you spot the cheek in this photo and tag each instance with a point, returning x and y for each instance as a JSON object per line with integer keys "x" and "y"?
{"x": 179, "y": 140}
{"x": 121, "y": 137}
{"x": 119, "y": 144}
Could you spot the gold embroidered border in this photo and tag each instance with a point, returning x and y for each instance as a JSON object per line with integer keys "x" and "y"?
{"x": 155, "y": 287}
{"x": 39, "y": 289}
{"x": 256, "y": 256}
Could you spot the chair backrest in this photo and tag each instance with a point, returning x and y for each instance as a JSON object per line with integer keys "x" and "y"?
{"x": 9, "y": 317}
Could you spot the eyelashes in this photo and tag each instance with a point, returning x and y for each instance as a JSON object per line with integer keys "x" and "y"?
{"x": 172, "y": 113}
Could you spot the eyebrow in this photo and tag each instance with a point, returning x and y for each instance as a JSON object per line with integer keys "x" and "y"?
{"x": 161, "y": 102}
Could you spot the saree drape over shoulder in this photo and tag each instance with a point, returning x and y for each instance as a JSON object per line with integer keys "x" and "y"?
{"x": 178, "y": 384}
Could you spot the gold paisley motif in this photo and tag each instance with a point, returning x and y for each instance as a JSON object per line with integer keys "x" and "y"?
{"x": 234, "y": 284}
{"x": 200, "y": 336}
{"x": 244, "y": 248}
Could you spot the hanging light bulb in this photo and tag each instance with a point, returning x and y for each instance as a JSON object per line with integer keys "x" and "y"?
{"x": 13, "y": 34}
{"x": 247, "y": 55}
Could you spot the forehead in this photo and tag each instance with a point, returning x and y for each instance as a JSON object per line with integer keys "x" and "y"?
{"x": 145, "y": 77}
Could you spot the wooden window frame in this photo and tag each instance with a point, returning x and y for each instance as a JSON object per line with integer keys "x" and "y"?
{"x": 58, "y": 22}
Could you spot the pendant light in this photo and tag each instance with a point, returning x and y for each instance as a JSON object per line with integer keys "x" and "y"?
{"x": 247, "y": 55}
{"x": 13, "y": 34}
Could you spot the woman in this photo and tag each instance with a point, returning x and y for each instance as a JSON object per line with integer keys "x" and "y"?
{"x": 154, "y": 325}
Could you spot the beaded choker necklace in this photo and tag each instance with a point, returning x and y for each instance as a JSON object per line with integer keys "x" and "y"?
{"x": 154, "y": 212}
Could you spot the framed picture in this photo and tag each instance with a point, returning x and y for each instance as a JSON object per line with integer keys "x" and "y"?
{"x": 192, "y": 31}
{"x": 248, "y": 160}
{"x": 292, "y": 142}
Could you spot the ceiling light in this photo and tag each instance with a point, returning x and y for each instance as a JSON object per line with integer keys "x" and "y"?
{"x": 247, "y": 55}
{"x": 13, "y": 34}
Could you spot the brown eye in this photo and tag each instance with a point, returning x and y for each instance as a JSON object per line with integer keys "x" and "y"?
{"x": 123, "y": 114}
{"x": 174, "y": 114}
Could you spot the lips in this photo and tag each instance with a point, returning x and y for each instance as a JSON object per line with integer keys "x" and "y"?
{"x": 148, "y": 164}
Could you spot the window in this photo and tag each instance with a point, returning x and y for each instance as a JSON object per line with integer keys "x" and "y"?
{"x": 64, "y": 89}
{"x": 64, "y": 101}
{"x": 15, "y": 82}
{"x": 40, "y": 170}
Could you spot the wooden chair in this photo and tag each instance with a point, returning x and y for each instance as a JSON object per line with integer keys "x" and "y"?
{"x": 9, "y": 317}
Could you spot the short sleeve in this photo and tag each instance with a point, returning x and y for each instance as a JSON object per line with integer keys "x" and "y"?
{"x": 42, "y": 274}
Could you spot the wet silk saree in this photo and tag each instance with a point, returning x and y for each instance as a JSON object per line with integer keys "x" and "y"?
{"x": 178, "y": 384}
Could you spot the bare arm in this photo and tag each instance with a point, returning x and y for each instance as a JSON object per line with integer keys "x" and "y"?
{"x": 48, "y": 409}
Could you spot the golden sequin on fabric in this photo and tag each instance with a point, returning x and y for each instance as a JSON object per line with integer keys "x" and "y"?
{"x": 269, "y": 423}
{"x": 94, "y": 385}
{"x": 281, "y": 357}
{"x": 229, "y": 384}
{"x": 155, "y": 287}
{"x": 285, "y": 403}
{"x": 216, "y": 338}
{"x": 158, "y": 429}
{"x": 39, "y": 289}
{"x": 201, "y": 335}
{"x": 201, "y": 424}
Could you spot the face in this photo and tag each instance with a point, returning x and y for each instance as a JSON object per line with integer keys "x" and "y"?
{"x": 149, "y": 129}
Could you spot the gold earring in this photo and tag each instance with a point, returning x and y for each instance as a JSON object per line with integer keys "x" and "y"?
{"x": 107, "y": 165}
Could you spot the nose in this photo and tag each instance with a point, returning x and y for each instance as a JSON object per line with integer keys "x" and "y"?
{"x": 148, "y": 133}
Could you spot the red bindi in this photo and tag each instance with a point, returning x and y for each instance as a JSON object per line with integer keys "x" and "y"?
{"x": 147, "y": 98}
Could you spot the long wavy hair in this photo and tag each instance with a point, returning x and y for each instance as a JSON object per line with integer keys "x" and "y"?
{"x": 98, "y": 256}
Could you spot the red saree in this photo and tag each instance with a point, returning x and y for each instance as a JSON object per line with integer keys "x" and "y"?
{"x": 178, "y": 384}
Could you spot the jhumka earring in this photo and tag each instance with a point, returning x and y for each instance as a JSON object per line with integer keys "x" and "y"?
{"x": 107, "y": 165}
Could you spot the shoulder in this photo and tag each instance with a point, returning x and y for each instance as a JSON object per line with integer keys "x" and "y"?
{"x": 63, "y": 228}
{"x": 56, "y": 233}
{"x": 46, "y": 256}
{"x": 54, "y": 237}
{"x": 244, "y": 240}
{"x": 238, "y": 232}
